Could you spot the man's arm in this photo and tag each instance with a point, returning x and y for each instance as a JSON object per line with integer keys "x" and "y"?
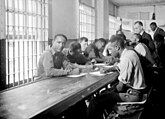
{"x": 151, "y": 44}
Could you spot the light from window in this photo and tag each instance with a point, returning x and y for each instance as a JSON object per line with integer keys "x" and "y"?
{"x": 114, "y": 25}
{"x": 26, "y": 34}
{"x": 87, "y": 21}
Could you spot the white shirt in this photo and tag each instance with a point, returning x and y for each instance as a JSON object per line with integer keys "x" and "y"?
{"x": 131, "y": 72}
{"x": 141, "y": 33}
{"x": 143, "y": 50}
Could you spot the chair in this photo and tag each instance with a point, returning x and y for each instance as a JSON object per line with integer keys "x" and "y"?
{"x": 129, "y": 110}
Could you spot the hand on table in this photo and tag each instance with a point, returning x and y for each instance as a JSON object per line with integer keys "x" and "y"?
{"x": 75, "y": 71}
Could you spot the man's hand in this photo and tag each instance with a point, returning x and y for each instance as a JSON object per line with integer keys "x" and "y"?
{"x": 110, "y": 60}
{"x": 93, "y": 61}
{"x": 103, "y": 70}
{"x": 75, "y": 71}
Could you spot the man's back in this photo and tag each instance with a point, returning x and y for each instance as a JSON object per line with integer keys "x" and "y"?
{"x": 131, "y": 72}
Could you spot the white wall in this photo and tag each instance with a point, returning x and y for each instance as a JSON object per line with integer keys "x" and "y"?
{"x": 159, "y": 11}
{"x": 88, "y": 2}
{"x": 64, "y": 18}
{"x": 102, "y": 21}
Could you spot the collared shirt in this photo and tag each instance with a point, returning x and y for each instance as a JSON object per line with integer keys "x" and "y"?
{"x": 130, "y": 69}
{"x": 47, "y": 65}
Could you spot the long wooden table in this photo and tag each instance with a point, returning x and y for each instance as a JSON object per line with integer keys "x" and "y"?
{"x": 55, "y": 94}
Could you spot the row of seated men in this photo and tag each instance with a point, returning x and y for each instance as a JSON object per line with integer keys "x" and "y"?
{"x": 131, "y": 59}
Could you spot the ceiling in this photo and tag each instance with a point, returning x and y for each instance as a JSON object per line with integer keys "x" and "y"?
{"x": 137, "y": 2}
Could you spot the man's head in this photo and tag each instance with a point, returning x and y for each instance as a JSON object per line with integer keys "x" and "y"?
{"x": 136, "y": 37}
{"x": 116, "y": 46}
{"x": 100, "y": 43}
{"x": 153, "y": 26}
{"x": 58, "y": 42}
{"x": 74, "y": 48}
{"x": 138, "y": 27}
{"x": 83, "y": 42}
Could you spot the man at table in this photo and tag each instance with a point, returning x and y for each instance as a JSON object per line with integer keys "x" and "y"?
{"x": 131, "y": 81}
{"x": 93, "y": 51}
{"x": 53, "y": 62}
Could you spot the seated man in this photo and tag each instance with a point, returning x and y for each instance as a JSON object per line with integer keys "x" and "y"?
{"x": 84, "y": 43}
{"x": 131, "y": 81}
{"x": 53, "y": 62}
{"x": 93, "y": 51}
{"x": 74, "y": 54}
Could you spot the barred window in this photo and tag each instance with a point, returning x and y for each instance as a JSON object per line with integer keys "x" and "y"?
{"x": 87, "y": 21}
{"x": 113, "y": 25}
{"x": 26, "y": 34}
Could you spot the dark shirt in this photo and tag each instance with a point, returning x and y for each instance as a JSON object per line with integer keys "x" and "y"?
{"x": 161, "y": 51}
{"x": 147, "y": 40}
{"x": 77, "y": 58}
{"x": 160, "y": 32}
{"x": 59, "y": 58}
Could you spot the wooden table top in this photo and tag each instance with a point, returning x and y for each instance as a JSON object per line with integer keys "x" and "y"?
{"x": 50, "y": 94}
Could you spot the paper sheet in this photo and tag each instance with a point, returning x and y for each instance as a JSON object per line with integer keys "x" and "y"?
{"x": 77, "y": 75}
{"x": 100, "y": 64}
{"x": 97, "y": 73}
{"x": 108, "y": 66}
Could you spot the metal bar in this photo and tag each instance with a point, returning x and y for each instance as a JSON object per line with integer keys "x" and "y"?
{"x": 19, "y": 72}
{"x": 14, "y": 82}
{"x": 32, "y": 60}
{"x": 23, "y": 62}
{"x": 27, "y": 61}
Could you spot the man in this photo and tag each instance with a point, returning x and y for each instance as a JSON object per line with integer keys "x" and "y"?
{"x": 145, "y": 57}
{"x": 74, "y": 54}
{"x": 94, "y": 50}
{"x": 131, "y": 81}
{"x": 146, "y": 38}
{"x": 53, "y": 62}
{"x": 141, "y": 48}
{"x": 84, "y": 43}
{"x": 156, "y": 30}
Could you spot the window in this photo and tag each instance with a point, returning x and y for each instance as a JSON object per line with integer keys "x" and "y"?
{"x": 87, "y": 21}
{"x": 26, "y": 34}
{"x": 114, "y": 25}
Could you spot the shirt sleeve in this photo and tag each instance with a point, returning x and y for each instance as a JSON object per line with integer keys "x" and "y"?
{"x": 125, "y": 69}
{"x": 49, "y": 67}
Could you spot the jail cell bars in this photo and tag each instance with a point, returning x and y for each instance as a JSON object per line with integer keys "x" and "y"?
{"x": 26, "y": 39}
